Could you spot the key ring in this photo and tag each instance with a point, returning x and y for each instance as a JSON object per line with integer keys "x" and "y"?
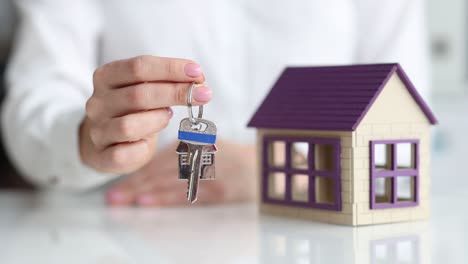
{"x": 189, "y": 105}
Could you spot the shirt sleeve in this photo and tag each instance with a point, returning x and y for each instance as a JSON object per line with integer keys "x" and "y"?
{"x": 49, "y": 79}
{"x": 395, "y": 31}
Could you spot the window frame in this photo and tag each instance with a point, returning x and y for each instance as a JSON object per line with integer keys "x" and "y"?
{"x": 184, "y": 159}
{"x": 393, "y": 174}
{"x": 206, "y": 159}
{"x": 289, "y": 171}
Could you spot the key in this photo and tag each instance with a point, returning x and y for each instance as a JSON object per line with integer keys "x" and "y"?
{"x": 197, "y": 133}
{"x": 195, "y": 153}
{"x": 208, "y": 162}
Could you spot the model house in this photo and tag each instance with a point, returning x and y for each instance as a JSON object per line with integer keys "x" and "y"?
{"x": 345, "y": 145}
{"x": 207, "y": 161}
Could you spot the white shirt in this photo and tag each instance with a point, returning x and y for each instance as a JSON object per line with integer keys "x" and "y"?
{"x": 242, "y": 46}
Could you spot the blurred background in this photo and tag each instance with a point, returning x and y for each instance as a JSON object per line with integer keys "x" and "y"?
{"x": 448, "y": 31}
{"x": 9, "y": 179}
{"x": 447, "y": 24}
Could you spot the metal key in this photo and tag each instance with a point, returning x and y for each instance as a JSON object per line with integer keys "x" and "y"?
{"x": 195, "y": 153}
{"x": 197, "y": 133}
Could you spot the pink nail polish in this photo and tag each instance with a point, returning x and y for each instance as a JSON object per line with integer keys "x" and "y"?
{"x": 170, "y": 112}
{"x": 202, "y": 94}
{"x": 116, "y": 196}
{"x": 193, "y": 70}
{"x": 145, "y": 200}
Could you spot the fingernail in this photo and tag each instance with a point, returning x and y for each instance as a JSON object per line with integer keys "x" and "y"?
{"x": 145, "y": 200}
{"x": 116, "y": 196}
{"x": 170, "y": 112}
{"x": 202, "y": 94}
{"x": 193, "y": 70}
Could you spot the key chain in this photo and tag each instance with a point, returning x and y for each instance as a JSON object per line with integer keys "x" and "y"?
{"x": 196, "y": 149}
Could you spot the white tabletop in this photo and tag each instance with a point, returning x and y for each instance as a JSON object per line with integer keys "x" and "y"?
{"x": 59, "y": 229}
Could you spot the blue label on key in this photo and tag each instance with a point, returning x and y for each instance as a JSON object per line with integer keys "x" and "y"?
{"x": 197, "y": 137}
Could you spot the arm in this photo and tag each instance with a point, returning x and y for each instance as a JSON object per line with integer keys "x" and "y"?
{"x": 62, "y": 118}
{"x": 48, "y": 82}
{"x": 395, "y": 31}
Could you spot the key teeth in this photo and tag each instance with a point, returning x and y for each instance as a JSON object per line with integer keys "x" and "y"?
{"x": 188, "y": 187}
{"x": 188, "y": 197}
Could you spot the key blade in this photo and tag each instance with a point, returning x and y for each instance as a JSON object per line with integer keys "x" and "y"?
{"x": 191, "y": 193}
{"x": 195, "y": 167}
{"x": 192, "y": 185}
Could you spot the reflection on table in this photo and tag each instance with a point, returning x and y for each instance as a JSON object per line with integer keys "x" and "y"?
{"x": 62, "y": 230}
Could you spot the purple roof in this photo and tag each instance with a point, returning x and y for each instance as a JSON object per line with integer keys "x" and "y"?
{"x": 328, "y": 98}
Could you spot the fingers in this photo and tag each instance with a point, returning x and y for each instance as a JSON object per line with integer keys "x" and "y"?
{"x": 157, "y": 184}
{"x": 148, "y": 69}
{"x": 121, "y": 197}
{"x": 163, "y": 192}
{"x": 142, "y": 97}
{"x": 130, "y": 128}
{"x": 147, "y": 96}
{"x": 174, "y": 197}
{"x": 129, "y": 107}
{"x": 208, "y": 193}
{"x": 126, "y": 157}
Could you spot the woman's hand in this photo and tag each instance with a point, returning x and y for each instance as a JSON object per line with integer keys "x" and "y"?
{"x": 157, "y": 184}
{"x": 130, "y": 106}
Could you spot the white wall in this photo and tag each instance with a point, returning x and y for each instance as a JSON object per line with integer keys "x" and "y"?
{"x": 448, "y": 28}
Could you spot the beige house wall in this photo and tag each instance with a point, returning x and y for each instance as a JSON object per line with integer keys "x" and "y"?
{"x": 394, "y": 115}
{"x": 345, "y": 216}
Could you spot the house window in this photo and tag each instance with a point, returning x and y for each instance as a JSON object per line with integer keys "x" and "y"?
{"x": 206, "y": 159}
{"x": 302, "y": 172}
{"x": 183, "y": 159}
{"x": 276, "y": 185}
{"x": 276, "y": 154}
{"x": 394, "y": 173}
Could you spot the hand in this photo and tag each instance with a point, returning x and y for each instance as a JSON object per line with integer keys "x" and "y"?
{"x": 130, "y": 106}
{"x": 157, "y": 183}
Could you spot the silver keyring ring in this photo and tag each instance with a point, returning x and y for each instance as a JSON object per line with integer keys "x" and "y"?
{"x": 189, "y": 105}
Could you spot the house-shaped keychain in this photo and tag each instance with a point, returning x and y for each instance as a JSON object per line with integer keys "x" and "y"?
{"x": 207, "y": 160}
{"x": 345, "y": 145}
